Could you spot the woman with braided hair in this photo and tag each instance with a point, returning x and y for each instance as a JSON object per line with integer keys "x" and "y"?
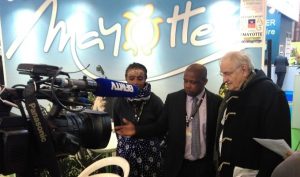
{"x": 143, "y": 154}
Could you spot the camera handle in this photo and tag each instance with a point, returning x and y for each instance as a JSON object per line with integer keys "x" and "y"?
{"x": 40, "y": 130}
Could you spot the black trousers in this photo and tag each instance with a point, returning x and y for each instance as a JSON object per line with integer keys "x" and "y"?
{"x": 280, "y": 78}
{"x": 197, "y": 168}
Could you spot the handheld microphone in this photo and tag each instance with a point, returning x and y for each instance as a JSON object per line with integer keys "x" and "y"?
{"x": 100, "y": 87}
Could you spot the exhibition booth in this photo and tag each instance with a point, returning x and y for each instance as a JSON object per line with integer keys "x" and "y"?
{"x": 99, "y": 39}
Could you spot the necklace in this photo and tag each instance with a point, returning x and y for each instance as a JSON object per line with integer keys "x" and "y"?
{"x": 188, "y": 119}
{"x": 138, "y": 109}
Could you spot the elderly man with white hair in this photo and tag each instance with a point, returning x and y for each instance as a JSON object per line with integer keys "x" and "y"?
{"x": 253, "y": 107}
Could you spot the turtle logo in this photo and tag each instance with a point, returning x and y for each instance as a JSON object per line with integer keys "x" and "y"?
{"x": 141, "y": 32}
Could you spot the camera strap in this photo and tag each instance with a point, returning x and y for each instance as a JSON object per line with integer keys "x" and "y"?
{"x": 41, "y": 130}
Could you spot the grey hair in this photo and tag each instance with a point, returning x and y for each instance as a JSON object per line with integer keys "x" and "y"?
{"x": 239, "y": 58}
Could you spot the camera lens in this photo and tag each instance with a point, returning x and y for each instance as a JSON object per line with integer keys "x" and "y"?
{"x": 88, "y": 129}
{"x": 96, "y": 130}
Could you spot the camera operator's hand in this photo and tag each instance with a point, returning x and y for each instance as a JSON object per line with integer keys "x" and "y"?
{"x": 128, "y": 129}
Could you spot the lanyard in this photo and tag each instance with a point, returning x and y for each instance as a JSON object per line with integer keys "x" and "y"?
{"x": 188, "y": 119}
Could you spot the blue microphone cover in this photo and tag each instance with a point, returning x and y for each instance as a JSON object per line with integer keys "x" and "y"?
{"x": 112, "y": 88}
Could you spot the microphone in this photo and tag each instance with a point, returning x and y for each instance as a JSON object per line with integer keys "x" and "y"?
{"x": 100, "y": 87}
{"x": 111, "y": 88}
{"x": 100, "y": 69}
{"x": 80, "y": 84}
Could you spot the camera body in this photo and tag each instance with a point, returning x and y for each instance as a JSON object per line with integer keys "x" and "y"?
{"x": 33, "y": 141}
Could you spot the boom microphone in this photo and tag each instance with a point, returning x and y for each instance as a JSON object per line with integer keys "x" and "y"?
{"x": 100, "y": 87}
{"x": 80, "y": 84}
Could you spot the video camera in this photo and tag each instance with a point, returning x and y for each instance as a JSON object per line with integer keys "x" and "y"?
{"x": 34, "y": 141}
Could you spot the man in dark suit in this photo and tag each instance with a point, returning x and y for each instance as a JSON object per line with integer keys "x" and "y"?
{"x": 280, "y": 64}
{"x": 178, "y": 123}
